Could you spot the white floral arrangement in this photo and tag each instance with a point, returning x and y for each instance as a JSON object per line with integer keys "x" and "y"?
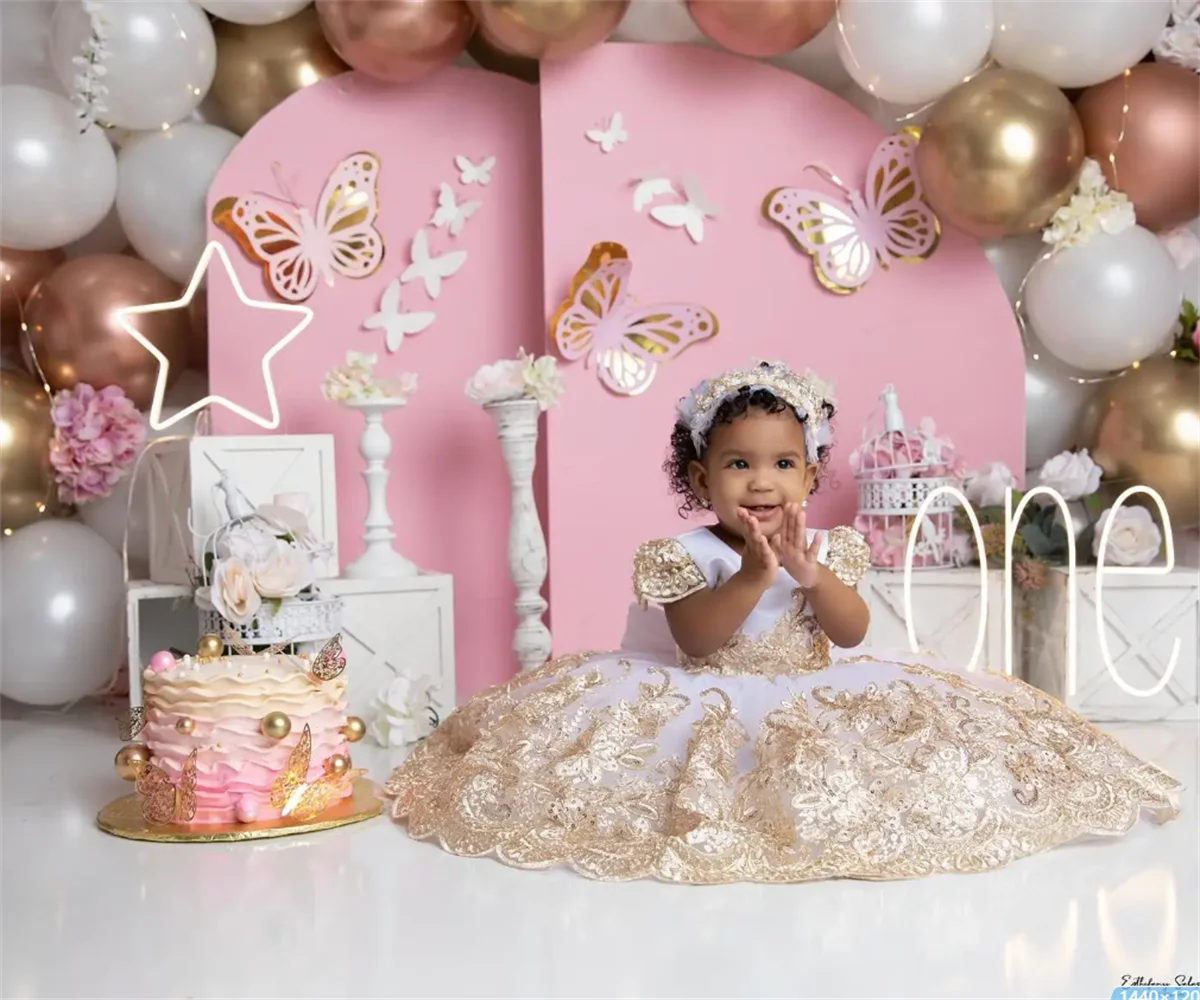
{"x": 1180, "y": 41}
{"x": 1094, "y": 208}
{"x": 355, "y": 381}
{"x": 404, "y": 712}
{"x": 523, "y": 377}
{"x": 259, "y": 561}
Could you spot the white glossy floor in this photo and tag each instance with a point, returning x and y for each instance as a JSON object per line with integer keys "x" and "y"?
{"x": 365, "y": 912}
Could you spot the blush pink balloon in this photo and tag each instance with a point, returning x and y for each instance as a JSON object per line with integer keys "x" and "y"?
{"x": 162, "y": 661}
{"x": 761, "y": 27}
{"x": 396, "y": 40}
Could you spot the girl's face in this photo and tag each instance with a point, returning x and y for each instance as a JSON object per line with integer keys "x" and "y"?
{"x": 757, "y": 462}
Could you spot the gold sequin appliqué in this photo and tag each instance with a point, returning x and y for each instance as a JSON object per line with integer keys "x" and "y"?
{"x": 621, "y": 769}
{"x": 848, "y": 555}
{"x": 664, "y": 572}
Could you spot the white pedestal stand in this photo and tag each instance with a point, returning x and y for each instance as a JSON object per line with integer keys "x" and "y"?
{"x": 517, "y": 427}
{"x": 379, "y": 560}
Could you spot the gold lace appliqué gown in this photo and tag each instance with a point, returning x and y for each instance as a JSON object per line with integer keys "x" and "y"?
{"x": 774, "y": 760}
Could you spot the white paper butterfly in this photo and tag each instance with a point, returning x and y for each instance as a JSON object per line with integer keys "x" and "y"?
{"x": 689, "y": 216}
{"x": 396, "y": 323}
{"x": 649, "y": 187}
{"x": 609, "y": 138}
{"x": 474, "y": 173}
{"x": 431, "y": 270}
{"x": 450, "y": 213}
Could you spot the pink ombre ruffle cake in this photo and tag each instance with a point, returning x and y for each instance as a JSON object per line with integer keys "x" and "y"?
{"x": 226, "y": 700}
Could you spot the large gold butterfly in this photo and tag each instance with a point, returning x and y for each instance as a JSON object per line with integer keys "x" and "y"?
{"x": 330, "y": 661}
{"x": 164, "y": 803}
{"x": 294, "y": 797}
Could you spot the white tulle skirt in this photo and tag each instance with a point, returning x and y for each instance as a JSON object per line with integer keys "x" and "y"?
{"x": 881, "y": 766}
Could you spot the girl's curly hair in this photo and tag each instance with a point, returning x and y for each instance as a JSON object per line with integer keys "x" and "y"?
{"x": 683, "y": 451}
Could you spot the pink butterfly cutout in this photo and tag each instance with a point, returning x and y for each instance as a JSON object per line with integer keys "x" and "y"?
{"x": 296, "y": 247}
{"x": 627, "y": 343}
{"x": 888, "y": 221}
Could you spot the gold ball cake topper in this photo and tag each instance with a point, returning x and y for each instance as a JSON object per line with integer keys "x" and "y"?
{"x": 337, "y": 764}
{"x": 354, "y": 729}
{"x": 185, "y": 726}
{"x": 210, "y": 647}
{"x": 130, "y": 760}
{"x": 276, "y": 725}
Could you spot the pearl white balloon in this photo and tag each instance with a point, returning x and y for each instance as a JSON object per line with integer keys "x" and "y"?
{"x": 253, "y": 11}
{"x": 912, "y": 51}
{"x": 25, "y": 45}
{"x": 61, "y": 622}
{"x": 1075, "y": 44}
{"x": 161, "y": 61}
{"x": 162, "y": 182}
{"x": 1104, "y": 305}
{"x": 1053, "y": 405}
{"x": 56, "y": 184}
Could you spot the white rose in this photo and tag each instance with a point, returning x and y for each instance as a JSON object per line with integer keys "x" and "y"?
{"x": 232, "y": 593}
{"x": 284, "y": 573}
{"x": 495, "y": 382}
{"x": 404, "y": 711}
{"x": 1072, "y": 473}
{"x": 1134, "y": 539}
{"x": 248, "y": 543}
{"x": 987, "y": 486}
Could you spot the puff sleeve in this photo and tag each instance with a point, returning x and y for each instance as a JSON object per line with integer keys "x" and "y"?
{"x": 664, "y": 572}
{"x": 847, "y": 555}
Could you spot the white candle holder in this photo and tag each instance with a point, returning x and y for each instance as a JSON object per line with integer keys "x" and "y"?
{"x": 379, "y": 559}
{"x": 517, "y": 427}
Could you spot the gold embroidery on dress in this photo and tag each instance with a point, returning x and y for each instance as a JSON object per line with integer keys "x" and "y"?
{"x": 793, "y": 645}
{"x": 664, "y": 572}
{"x": 848, "y": 555}
{"x": 918, "y": 772}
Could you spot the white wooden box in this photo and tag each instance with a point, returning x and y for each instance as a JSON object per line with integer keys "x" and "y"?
{"x": 157, "y": 616}
{"x": 392, "y": 627}
{"x": 262, "y": 466}
{"x": 1142, "y": 616}
{"x": 946, "y": 607}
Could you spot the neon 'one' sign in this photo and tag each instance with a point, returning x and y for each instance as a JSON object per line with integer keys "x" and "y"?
{"x": 1011, "y": 519}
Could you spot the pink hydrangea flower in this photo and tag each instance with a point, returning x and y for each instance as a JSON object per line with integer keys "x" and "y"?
{"x": 97, "y": 437}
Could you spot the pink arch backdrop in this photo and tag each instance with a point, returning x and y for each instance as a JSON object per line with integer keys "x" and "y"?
{"x": 942, "y": 330}
{"x": 448, "y": 492}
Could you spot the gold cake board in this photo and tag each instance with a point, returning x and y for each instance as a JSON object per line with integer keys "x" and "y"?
{"x": 123, "y": 818}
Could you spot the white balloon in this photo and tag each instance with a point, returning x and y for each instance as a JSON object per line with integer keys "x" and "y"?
{"x": 1073, "y": 44}
{"x": 253, "y": 11}
{"x": 61, "y": 624}
{"x": 25, "y": 45}
{"x": 818, "y": 61}
{"x": 885, "y": 114}
{"x": 109, "y": 516}
{"x": 912, "y": 51}
{"x": 162, "y": 183}
{"x": 56, "y": 184}
{"x": 657, "y": 21}
{"x": 1104, "y": 305}
{"x": 160, "y": 63}
{"x": 1053, "y": 404}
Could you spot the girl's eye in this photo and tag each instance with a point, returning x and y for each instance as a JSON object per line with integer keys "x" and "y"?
{"x": 738, "y": 463}
{"x": 785, "y": 463}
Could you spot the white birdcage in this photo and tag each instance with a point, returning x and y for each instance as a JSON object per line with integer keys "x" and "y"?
{"x": 896, "y": 470}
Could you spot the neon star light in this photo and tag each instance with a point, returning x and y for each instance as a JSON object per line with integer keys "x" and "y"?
{"x": 124, "y": 315}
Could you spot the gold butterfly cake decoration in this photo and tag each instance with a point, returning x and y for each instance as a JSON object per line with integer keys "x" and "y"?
{"x": 298, "y": 799}
{"x": 234, "y": 642}
{"x": 330, "y": 661}
{"x": 164, "y": 802}
{"x": 131, "y": 722}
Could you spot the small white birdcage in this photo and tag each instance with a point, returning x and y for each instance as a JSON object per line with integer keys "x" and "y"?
{"x": 896, "y": 470}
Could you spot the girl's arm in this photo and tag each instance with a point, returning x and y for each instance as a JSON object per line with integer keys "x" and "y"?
{"x": 841, "y": 613}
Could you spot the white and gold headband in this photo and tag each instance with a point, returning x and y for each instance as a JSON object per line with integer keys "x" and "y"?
{"x": 807, "y": 394}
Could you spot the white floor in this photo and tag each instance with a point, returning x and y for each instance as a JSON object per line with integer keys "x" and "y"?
{"x": 365, "y": 912}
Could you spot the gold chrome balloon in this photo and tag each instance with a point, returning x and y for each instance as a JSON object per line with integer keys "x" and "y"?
{"x": 546, "y": 29}
{"x": 1000, "y": 154}
{"x": 1144, "y": 429}
{"x": 27, "y": 489}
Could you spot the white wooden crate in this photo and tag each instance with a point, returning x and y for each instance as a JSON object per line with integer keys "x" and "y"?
{"x": 392, "y": 627}
{"x": 946, "y": 607}
{"x": 262, "y": 466}
{"x": 1142, "y": 616}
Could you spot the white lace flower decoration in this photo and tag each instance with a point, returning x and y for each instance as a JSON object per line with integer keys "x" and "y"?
{"x": 89, "y": 89}
{"x": 1180, "y": 41}
{"x": 1094, "y": 208}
